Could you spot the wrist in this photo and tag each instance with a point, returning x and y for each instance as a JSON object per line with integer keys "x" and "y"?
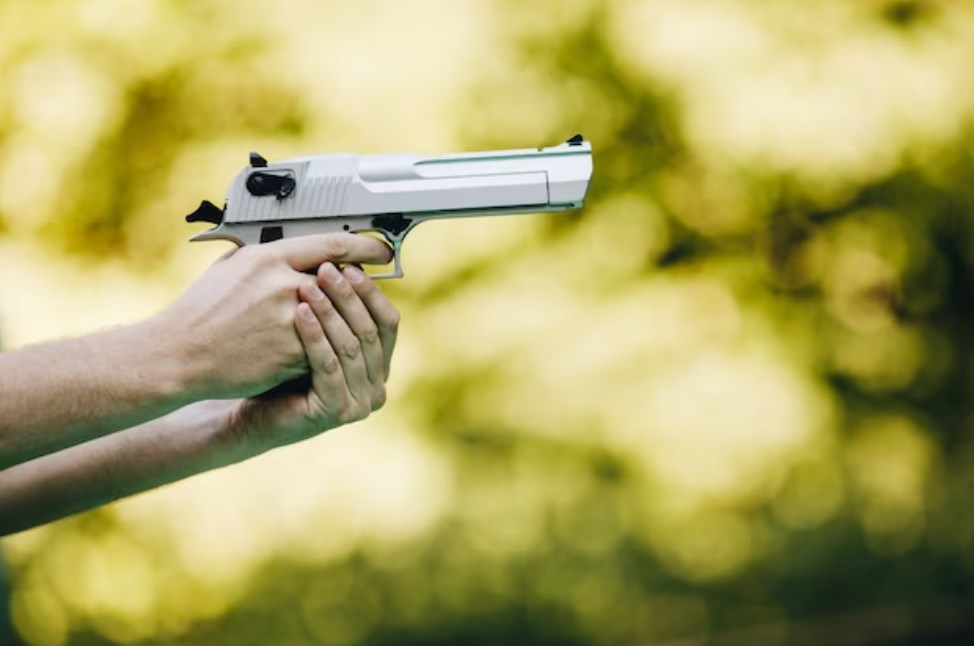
{"x": 175, "y": 364}
{"x": 241, "y": 434}
{"x": 207, "y": 437}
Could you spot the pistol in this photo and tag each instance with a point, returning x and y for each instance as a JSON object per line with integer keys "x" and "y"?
{"x": 391, "y": 194}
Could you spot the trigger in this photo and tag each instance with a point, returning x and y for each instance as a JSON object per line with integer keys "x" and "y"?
{"x": 206, "y": 212}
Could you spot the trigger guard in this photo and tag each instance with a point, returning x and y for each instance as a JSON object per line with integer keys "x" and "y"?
{"x": 396, "y": 242}
{"x": 394, "y": 227}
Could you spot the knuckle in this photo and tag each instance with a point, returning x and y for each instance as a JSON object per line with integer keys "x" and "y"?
{"x": 370, "y": 335}
{"x": 351, "y": 349}
{"x": 249, "y": 253}
{"x": 269, "y": 256}
{"x": 392, "y": 320}
{"x": 330, "y": 364}
{"x": 252, "y": 261}
{"x": 344, "y": 416}
{"x": 338, "y": 247}
{"x": 260, "y": 257}
{"x": 353, "y": 412}
{"x": 339, "y": 408}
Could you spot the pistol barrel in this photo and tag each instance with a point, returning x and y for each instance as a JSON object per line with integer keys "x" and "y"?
{"x": 329, "y": 186}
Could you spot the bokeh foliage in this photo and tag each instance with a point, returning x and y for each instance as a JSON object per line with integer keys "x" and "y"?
{"x": 727, "y": 402}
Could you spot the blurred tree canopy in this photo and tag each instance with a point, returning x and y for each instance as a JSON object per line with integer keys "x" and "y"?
{"x": 729, "y": 401}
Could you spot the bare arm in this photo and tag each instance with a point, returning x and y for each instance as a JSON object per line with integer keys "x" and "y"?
{"x": 231, "y": 335}
{"x": 65, "y": 393}
{"x": 348, "y": 333}
{"x": 187, "y": 441}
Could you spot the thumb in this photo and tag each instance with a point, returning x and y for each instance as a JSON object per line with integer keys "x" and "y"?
{"x": 308, "y": 252}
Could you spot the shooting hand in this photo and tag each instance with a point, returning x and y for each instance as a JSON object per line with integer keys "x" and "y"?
{"x": 234, "y": 328}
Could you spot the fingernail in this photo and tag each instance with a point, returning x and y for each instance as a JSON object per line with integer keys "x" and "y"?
{"x": 330, "y": 272}
{"x": 354, "y": 274}
{"x": 315, "y": 293}
{"x": 305, "y": 311}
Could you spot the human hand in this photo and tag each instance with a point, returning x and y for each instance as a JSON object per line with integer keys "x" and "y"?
{"x": 347, "y": 328}
{"x": 348, "y": 335}
{"x": 233, "y": 331}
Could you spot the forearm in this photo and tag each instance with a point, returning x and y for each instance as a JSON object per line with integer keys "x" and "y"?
{"x": 188, "y": 441}
{"x": 60, "y": 394}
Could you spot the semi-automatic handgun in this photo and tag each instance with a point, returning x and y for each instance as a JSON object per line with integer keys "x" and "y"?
{"x": 391, "y": 194}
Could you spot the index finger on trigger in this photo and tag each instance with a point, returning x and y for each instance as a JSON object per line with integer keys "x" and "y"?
{"x": 308, "y": 252}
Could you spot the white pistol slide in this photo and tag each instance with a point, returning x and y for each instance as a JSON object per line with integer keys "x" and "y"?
{"x": 391, "y": 194}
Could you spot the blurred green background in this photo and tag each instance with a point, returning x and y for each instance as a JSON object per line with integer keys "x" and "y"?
{"x": 728, "y": 402}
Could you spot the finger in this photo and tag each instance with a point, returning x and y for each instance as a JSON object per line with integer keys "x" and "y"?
{"x": 327, "y": 378}
{"x": 344, "y": 342}
{"x": 357, "y": 317}
{"x": 383, "y": 313}
{"x": 226, "y": 254}
{"x": 307, "y": 252}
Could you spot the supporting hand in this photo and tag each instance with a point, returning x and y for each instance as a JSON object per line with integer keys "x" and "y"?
{"x": 348, "y": 329}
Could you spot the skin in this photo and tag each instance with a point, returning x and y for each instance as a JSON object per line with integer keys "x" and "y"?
{"x": 255, "y": 355}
